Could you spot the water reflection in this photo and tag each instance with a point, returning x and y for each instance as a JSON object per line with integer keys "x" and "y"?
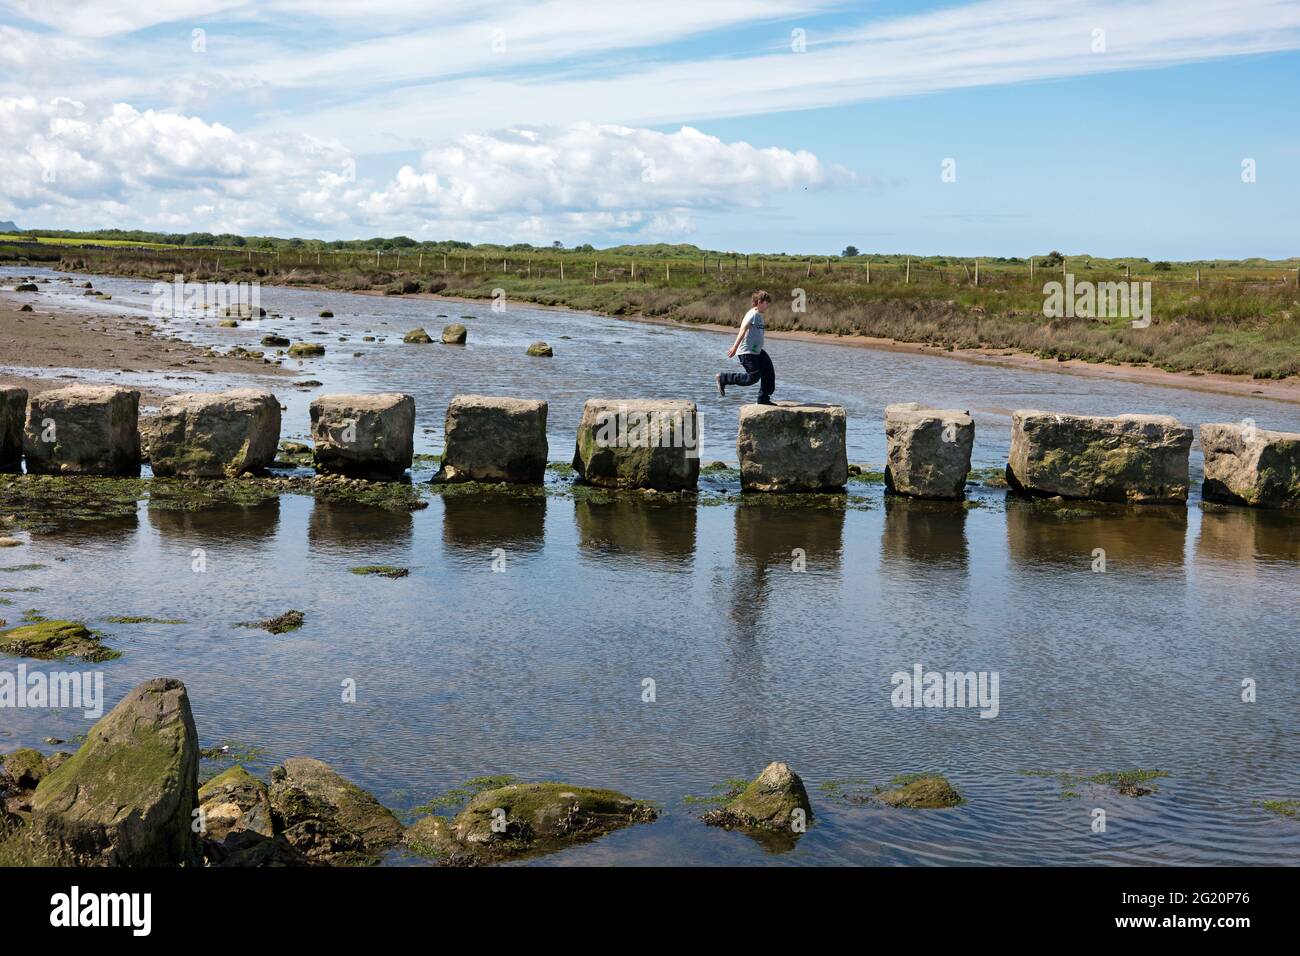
{"x": 113, "y": 531}
{"x": 223, "y": 523}
{"x": 1050, "y": 533}
{"x": 640, "y": 530}
{"x": 480, "y": 523}
{"x": 353, "y": 526}
{"x": 774, "y": 543}
{"x": 931, "y": 533}
{"x": 1247, "y": 535}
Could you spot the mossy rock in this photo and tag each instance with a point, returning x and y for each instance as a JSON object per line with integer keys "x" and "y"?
{"x": 280, "y": 624}
{"x": 228, "y": 324}
{"x": 774, "y": 800}
{"x": 454, "y": 335}
{"x": 306, "y": 349}
{"x": 921, "y": 792}
{"x": 276, "y": 341}
{"x": 326, "y": 817}
{"x": 530, "y": 818}
{"x": 326, "y": 314}
{"x": 381, "y": 570}
{"x": 540, "y": 350}
{"x": 56, "y": 640}
{"x": 235, "y": 800}
{"x": 417, "y": 337}
{"x": 25, "y": 767}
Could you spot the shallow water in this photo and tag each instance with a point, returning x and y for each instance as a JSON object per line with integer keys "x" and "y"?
{"x": 537, "y": 670}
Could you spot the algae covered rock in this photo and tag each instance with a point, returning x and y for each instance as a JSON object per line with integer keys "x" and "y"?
{"x": 540, "y": 350}
{"x": 364, "y": 436}
{"x": 327, "y": 818}
{"x": 235, "y": 800}
{"x": 214, "y": 435}
{"x": 83, "y": 430}
{"x": 790, "y": 447}
{"x": 454, "y": 335}
{"x": 276, "y": 341}
{"x": 1251, "y": 466}
{"x": 495, "y": 439}
{"x": 25, "y": 768}
{"x": 928, "y": 450}
{"x": 638, "y": 443}
{"x": 920, "y": 792}
{"x": 55, "y": 640}
{"x": 306, "y": 350}
{"x": 127, "y": 796}
{"x": 417, "y": 337}
{"x": 775, "y": 800}
{"x": 1127, "y": 458}
{"x": 13, "y": 411}
{"x": 538, "y": 817}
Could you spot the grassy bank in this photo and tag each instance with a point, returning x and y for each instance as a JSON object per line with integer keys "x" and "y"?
{"x": 1240, "y": 318}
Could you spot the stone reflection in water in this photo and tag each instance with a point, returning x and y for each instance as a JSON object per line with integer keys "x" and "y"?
{"x": 631, "y": 528}
{"x": 930, "y": 533}
{"x": 770, "y": 539}
{"x": 1246, "y": 536}
{"x": 358, "y": 528}
{"x": 476, "y": 524}
{"x": 1049, "y": 533}
{"x": 221, "y": 523}
{"x": 115, "y": 530}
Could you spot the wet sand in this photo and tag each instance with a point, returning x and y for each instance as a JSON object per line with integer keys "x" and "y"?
{"x": 100, "y": 345}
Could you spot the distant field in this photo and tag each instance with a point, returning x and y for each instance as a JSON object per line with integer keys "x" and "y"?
{"x": 56, "y": 241}
{"x": 1235, "y": 317}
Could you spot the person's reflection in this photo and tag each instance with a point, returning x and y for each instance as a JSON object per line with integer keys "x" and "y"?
{"x": 475, "y": 524}
{"x": 633, "y": 529}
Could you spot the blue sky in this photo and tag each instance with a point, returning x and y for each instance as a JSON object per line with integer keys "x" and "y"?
{"x": 1110, "y": 128}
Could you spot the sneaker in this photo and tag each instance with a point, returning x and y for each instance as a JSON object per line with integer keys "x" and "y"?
{"x": 765, "y": 401}
{"x": 722, "y": 389}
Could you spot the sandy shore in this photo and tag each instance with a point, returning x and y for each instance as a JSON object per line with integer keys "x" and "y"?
{"x": 97, "y": 345}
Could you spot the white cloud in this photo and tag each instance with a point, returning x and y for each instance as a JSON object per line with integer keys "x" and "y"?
{"x": 569, "y": 181}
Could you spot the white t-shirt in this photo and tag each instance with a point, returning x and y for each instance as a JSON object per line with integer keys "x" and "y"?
{"x": 752, "y": 343}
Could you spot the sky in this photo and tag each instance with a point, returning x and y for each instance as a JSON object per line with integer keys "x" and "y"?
{"x": 1152, "y": 128}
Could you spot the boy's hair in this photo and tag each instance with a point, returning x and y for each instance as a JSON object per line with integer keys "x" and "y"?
{"x": 761, "y": 296}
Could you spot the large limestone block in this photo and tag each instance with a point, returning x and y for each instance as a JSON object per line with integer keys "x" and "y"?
{"x": 638, "y": 443}
{"x": 84, "y": 430}
{"x": 214, "y": 435}
{"x": 928, "y": 450}
{"x": 364, "y": 436}
{"x": 13, "y": 410}
{"x": 495, "y": 439}
{"x": 1251, "y": 466}
{"x": 127, "y": 796}
{"x": 1133, "y": 458}
{"x": 790, "y": 447}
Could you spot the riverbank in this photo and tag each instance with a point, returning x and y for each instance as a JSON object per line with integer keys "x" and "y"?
{"x": 91, "y": 348}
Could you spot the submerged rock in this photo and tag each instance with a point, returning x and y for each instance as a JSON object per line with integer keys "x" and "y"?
{"x": 214, "y": 435}
{"x": 525, "y": 819}
{"x": 792, "y": 448}
{"x": 495, "y": 439}
{"x": 327, "y": 818}
{"x": 127, "y": 796}
{"x": 56, "y": 640}
{"x": 281, "y": 624}
{"x": 417, "y": 337}
{"x": 921, "y": 792}
{"x": 1251, "y": 466}
{"x": 638, "y": 443}
{"x": 13, "y": 410}
{"x": 364, "y": 436}
{"x": 84, "y": 430}
{"x": 1127, "y": 458}
{"x": 306, "y": 350}
{"x": 929, "y": 450}
{"x": 775, "y": 800}
{"x": 276, "y": 341}
{"x": 454, "y": 335}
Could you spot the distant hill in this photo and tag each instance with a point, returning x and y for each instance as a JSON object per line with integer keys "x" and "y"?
{"x": 8, "y": 227}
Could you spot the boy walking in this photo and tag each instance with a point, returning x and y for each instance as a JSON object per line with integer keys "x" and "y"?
{"x": 748, "y": 347}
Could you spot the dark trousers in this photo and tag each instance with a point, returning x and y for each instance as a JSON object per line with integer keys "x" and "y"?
{"x": 758, "y": 368}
